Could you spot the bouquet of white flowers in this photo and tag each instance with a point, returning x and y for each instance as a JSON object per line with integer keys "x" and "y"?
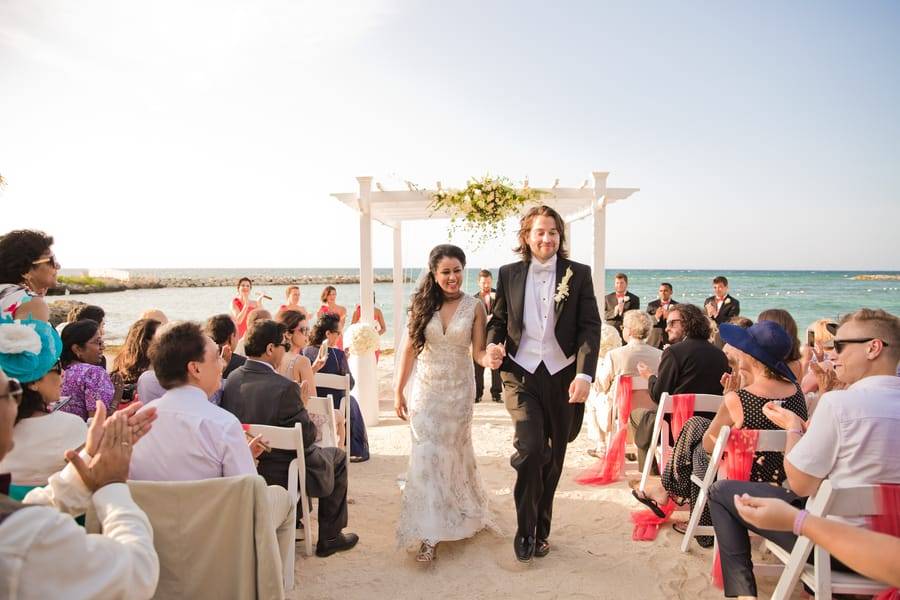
{"x": 361, "y": 338}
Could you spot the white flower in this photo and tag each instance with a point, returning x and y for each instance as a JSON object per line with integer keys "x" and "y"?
{"x": 562, "y": 290}
{"x": 361, "y": 338}
{"x": 16, "y": 338}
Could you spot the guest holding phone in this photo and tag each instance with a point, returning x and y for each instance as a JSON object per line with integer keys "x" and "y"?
{"x": 41, "y": 436}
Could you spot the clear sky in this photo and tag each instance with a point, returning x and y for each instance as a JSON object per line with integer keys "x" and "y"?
{"x": 210, "y": 133}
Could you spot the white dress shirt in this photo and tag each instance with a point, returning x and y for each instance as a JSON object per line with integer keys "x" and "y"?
{"x": 191, "y": 439}
{"x": 45, "y": 554}
{"x": 539, "y": 344}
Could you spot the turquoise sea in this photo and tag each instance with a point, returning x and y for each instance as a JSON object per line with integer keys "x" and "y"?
{"x": 808, "y": 295}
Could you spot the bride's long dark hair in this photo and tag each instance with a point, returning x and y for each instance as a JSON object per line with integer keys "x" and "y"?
{"x": 429, "y": 297}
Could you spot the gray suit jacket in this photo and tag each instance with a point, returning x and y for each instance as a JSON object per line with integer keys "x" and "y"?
{"x": 258, "y": 395}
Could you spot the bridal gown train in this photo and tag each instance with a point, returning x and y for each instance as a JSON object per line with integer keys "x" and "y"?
{"x": 443, "y": 498}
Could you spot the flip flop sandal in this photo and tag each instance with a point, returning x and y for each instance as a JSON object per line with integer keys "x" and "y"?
{"x": 680, "y": 527}
{"x": 649, "y": 503}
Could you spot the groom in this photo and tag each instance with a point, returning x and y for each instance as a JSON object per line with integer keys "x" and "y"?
{"x": 546, "y": 330}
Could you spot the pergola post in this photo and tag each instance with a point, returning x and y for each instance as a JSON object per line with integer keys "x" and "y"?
{"x": 598, "y": 215}
{"x": 366, "y": 380}
{"x": 398, "y": 288}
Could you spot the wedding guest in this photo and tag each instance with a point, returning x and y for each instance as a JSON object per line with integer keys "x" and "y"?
{"x": 618, "y": 302}
{"x": 597, "y": 409}
{"x": 721, "y": 306}
{"x": 156, "y": 315}
{"x": 762, "y": 350}
{"x": 292, "y": 299}
{"x": 241, "y": 305}
{"x": 257, "y": 314}
{"x": 852, "y": 439}
{"x": 29, "y": 352}
{"x": 44, "y": 553}
{"x": 739, "y": 377}
{"x": 223, "y": 331}
{"x": 658, "y": 311}
{"x": 89, "y": 311}
{"x": 256, "y": 393}
{"x": 330, "y": 305}
{"x": 85, "y": 381}
{"x": 784, "y": 318}
{"x": 816, "y": 353}
{"x": 327, "y": 328}
{"x": 690, "y": 365}
{"x": 133, "y": 359}
{"x": 488, "y": 296}
{"x": 28, "y": 269}
{"x": 636, "y": 327}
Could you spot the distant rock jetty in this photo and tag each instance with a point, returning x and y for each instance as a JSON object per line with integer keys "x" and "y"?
{"x": 893, "y": 277}
{"x": 90, "y": 285}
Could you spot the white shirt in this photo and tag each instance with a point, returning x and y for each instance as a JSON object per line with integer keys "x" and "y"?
{"x": 40, "y": 446}
{"x": 191, "y": 439}
{"x": 539, "y": 344}
{"x": 45, "y": 554}
{"x": 854, "y": 435}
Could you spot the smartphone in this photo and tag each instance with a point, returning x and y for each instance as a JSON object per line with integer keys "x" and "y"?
{"x": 323, "y": 349}
{"x": 63, "y": 400}
{"x": 810, "y": 338}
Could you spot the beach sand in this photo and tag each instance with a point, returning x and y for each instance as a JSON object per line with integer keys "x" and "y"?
{"x": 592, "y": 554}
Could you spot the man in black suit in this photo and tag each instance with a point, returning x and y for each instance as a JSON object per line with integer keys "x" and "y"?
{"x": 257, "y": 394}
{"x": 546, "y": 327}
{"x": 658, "y": 311}
{"x": 690, "y": 365}
{"x": 721, "y": 306}
{"x": 223, "y": 331}
{"x": 488, "y": 296}
{"x": 619, "y": 302}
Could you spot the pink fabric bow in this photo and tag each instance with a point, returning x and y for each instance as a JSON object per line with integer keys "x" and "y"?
{"x": 612, "y": 466}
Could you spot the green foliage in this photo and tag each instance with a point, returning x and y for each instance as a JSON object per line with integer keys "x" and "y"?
{"x": 81, "y": 281}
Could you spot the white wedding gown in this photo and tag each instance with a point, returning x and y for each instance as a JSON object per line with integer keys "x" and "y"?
{"x": 443, "y": 498}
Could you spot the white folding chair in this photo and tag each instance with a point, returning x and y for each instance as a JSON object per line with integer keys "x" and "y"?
{"x": 768, "y": 441}
{"x": 324, "y": 407}
{"x": 858, "y": 501}
{"x": 291, "y": 438}
{"x": 338, "y": 382}
{"x": 659, "y": 440}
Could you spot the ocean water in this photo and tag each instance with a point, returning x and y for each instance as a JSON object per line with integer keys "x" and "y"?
{"x": 807, "y": 295}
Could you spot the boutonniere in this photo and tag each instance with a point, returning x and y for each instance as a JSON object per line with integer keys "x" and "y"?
{"x": 562, "y": 290}
{"x": 727, "y": 301}
{"x": 493, "y": 295}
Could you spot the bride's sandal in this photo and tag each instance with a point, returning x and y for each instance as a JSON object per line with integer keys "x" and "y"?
{"x": 427, "y": 553}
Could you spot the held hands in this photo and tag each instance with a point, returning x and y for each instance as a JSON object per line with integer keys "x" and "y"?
{"x": 400, "y": 405}
{"x": 578, "y": 391}
{"x": 766, "y": 513}
{"x": 782, "y": 417}
{"x": 138, "y": 424}
{"x": 493, "y": 356}
{"x": 109, "y": 463}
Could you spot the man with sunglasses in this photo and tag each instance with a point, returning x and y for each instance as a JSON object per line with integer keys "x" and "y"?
{"x": 853, "y": 438}
{"x": 256, "y": 393}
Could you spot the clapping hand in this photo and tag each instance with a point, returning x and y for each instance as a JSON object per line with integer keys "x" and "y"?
{"x": 783, "y": 417}
{"x": 711, "y": 310}
{"x": 773, "y": 514}
{"x": 826, "y": 378}
{"x": 109, "y": 461}
{"x": 660, "y": 313}
{"x": 730, "y": 382}
{"x": 138, "y": 424}
{"x": 321, "y": 359}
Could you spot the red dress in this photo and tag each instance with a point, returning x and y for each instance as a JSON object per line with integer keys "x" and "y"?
{"x": 242, "y": 324}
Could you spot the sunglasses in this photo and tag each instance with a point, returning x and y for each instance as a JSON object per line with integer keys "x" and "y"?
{"x": 50, "y": 260}
{"x": 14, "y": 391}
{"x": 673, "y": 321}
{"x": 839, "y": 345}
{"x": 56, "y": 368}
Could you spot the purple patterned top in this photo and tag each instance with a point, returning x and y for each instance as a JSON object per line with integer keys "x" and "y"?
{"x": 86, "y": 384}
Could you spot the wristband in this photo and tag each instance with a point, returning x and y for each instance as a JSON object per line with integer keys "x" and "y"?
{"x": 798, "y": 522}
{"x": 799, "y": 432}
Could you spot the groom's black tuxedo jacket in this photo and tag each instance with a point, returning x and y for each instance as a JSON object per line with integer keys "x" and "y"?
{"x": 577, "y": 317}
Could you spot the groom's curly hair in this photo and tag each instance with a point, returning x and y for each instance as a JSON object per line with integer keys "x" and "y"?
{"x": 525, "y": 225}
{"x": 429, "y": 297}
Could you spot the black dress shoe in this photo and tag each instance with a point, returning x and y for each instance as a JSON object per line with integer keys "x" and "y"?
{"x": 343, "y": 541}
{"x": 541, "y": 548}
{"x": 496, "y": 399}
{"x": 524, "y": 547}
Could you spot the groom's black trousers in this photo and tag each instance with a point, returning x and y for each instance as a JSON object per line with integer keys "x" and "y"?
{"x": 542, "y": 417}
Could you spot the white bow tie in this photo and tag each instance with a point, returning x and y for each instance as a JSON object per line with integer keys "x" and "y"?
{"x": 545, "y": 268}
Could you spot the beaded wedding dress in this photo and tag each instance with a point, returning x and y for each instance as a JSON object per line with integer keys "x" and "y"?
{"x": 443, "y": 498}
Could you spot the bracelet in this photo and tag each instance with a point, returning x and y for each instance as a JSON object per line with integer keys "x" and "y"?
{"x": 799, "y": 432}
{"x": 798, "y": 522}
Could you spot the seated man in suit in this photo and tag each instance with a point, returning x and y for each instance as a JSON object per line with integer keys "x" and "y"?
{"x": 619, "y": 302}
{"x": 691, "y": 365}
{"x": 257, "y": 394}
{"x": 659, "y": 311}
{"x": 193, "y": 438}
{"x": 721, "y": 306}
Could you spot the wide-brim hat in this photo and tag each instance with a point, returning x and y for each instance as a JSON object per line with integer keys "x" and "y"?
{"x": 28, "y": 349}
{"x": 766, "y": 341}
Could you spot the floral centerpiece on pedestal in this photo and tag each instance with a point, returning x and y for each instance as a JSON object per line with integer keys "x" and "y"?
{"x": 361, "y": 338}
{"x": 483, "y": 206}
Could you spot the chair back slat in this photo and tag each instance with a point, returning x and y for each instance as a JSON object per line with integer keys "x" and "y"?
{"x": 330, "y": 380}
{"x": 317, "y": 405}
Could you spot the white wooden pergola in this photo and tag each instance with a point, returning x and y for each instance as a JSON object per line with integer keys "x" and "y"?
{"x": 393, "y": 207}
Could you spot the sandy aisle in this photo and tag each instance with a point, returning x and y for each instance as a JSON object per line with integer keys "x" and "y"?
{"x": 592, "y": 557}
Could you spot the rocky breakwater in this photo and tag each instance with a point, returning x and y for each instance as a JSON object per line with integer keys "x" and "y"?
{"x": 886, "y": 277}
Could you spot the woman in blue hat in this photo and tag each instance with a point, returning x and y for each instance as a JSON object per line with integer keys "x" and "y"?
{"x": 761, "y": 350}
{"x": 29, "y": 353}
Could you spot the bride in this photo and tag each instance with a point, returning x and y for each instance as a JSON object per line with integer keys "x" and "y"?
{"x": 443, "y": 498}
